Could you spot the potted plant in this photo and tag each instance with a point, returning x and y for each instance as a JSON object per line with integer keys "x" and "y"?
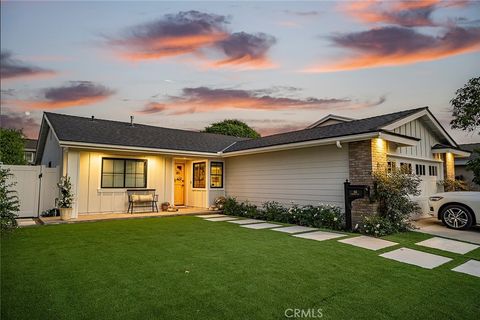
{"x": 165, "y": 206}
{"x": 66, "y": 198}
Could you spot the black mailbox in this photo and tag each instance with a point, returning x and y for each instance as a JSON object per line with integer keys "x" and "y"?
{"x": 353, "y": 192}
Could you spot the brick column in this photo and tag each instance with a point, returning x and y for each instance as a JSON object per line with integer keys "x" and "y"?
{"x": 364, "y": 158}
{"x": 449, "y": 166}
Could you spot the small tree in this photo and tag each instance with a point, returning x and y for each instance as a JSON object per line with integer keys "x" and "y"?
{"x": 66, "y": 194}
{"x": 234, "y": 128}
{"x": 9, "y": 204}
{"x": 466, "y": 106}
{"x": 393, "y": 191}
{"x": 474, "y": 166}
{"x": 12, "y": 146}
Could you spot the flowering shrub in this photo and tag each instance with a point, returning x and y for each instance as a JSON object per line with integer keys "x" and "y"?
{"x": 274, "y": 211}
{"x": 322, "y": 216}
{"x": 393, "y": 191}
{"x": 376, "y": 226}
{"x": 66, "y": 194}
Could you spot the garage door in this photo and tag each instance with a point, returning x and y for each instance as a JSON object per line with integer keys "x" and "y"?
{"x": 430, "y": 174}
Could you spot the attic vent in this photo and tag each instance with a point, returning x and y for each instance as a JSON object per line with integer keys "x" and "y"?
{"x": 131, "y": 121}
{"x": 93, "y": 118}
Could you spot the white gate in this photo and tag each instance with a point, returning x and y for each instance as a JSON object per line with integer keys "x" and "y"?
{"x": 36, "y": 188}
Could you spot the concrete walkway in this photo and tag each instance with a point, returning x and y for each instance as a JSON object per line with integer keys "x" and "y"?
{"x": 186, "y": 211}
{"x": 403, "y": 255}
{"x": 435, "y": 227}
{"x": 26, "y": 222}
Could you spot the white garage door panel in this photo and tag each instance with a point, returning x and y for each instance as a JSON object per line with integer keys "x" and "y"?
{"x": 428, "y": 185}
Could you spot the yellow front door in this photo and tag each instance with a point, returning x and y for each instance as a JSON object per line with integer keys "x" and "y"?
{"x": 179, "y": 182}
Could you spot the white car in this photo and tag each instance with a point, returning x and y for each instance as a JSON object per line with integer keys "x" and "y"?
{"x": 457, "y": 210}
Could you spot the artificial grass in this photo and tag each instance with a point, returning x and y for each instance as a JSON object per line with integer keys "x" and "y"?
{"x": 187, "y": 268}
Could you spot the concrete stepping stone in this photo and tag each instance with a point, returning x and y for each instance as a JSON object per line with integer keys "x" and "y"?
{"x": 260, "y": 225}
{"x": 448, "y": 245}
{"x": 319, "y": 235}
{"x": 294, "y": 229}
{"x": 416, "y": 258}
{"x": 246, "y": 221}
{"x": 210, "y": 215}
{"x": 221, "y": 219}
{"x": 368, "y": 242}
{"x": 471, "y": 267}
{"x": 26, "y": 222}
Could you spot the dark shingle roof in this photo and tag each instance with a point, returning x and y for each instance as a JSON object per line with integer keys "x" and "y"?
{"x": 445, "y": 146}
{"x": 335, "y": 130}
{"x": 470, "y": 148}
{"x": 30, "y": 144}
{"x": 80, "y": 129}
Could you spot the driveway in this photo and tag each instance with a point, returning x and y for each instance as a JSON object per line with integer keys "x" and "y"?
{"x": 435, "y": 227}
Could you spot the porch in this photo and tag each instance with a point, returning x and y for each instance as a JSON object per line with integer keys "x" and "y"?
{"x": 102, "y": 179}
{"x": 186, "y": 211}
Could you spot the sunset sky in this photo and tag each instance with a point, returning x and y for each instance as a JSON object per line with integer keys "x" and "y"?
{"x": 279, "y": 66}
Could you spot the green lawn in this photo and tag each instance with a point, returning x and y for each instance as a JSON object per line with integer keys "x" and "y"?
{"x": 187, "y": 268}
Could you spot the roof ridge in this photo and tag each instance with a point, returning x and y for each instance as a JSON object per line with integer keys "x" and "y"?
{"x": 144, "y": 125}
{"x": 349, "y": 122}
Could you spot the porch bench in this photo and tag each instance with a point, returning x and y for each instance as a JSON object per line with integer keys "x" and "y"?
{"x": 143, "y": 198}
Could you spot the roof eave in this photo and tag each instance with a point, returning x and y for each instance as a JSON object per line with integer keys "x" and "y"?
{"x": 110, "y": 147}
{"x": 319, "y": 142}
{"x": 456, "y": 152}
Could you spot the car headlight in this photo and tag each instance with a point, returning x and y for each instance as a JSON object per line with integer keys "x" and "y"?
{"x": 435, "y": 198}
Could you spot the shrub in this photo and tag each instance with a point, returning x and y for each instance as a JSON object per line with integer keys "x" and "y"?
{"x": 322, "y": 216}
{"x": 450, "y": 185}
{"x": 274, "y": 211}
{"x": 392, "y": 191}
{"x": 231, "y": 206}
{"x": 376, "y": 226}
{"x": 9, "y": 204}
{"x": 329, "y": 217}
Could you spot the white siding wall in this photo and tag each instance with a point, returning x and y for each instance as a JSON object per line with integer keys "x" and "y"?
{"x": 418, "y": 130}
{"x": 52, "y": 152}
{"x": 305, "y": 176}
{"x": 92, "y": 199}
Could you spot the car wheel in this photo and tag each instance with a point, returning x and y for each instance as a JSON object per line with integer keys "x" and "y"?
{"x": 456, "y": 216}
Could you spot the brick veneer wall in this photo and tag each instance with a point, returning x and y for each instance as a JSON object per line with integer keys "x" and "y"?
{"x": 449, "y": 166}
{"x": 364, "y": 158}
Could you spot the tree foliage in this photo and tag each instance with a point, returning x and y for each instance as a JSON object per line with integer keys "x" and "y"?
{"x": 9, "y": 204}
{"x": 474, "y": 166}
{"x": 234, "y": 128}
{"x": 12, "y": 146}
{"x": 393, "y": 191}
{"x": 466, "y": 106}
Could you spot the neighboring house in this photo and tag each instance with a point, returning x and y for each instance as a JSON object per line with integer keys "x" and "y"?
{"x": 105, "y": 158}
{"x": 30, "y": 150}
{"x": 461, "y": 171}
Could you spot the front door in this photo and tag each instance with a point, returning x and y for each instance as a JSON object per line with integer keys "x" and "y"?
{"x": 179, "y": 182}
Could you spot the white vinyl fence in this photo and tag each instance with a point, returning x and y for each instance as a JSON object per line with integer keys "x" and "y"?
{"x": 36, "y": 188}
